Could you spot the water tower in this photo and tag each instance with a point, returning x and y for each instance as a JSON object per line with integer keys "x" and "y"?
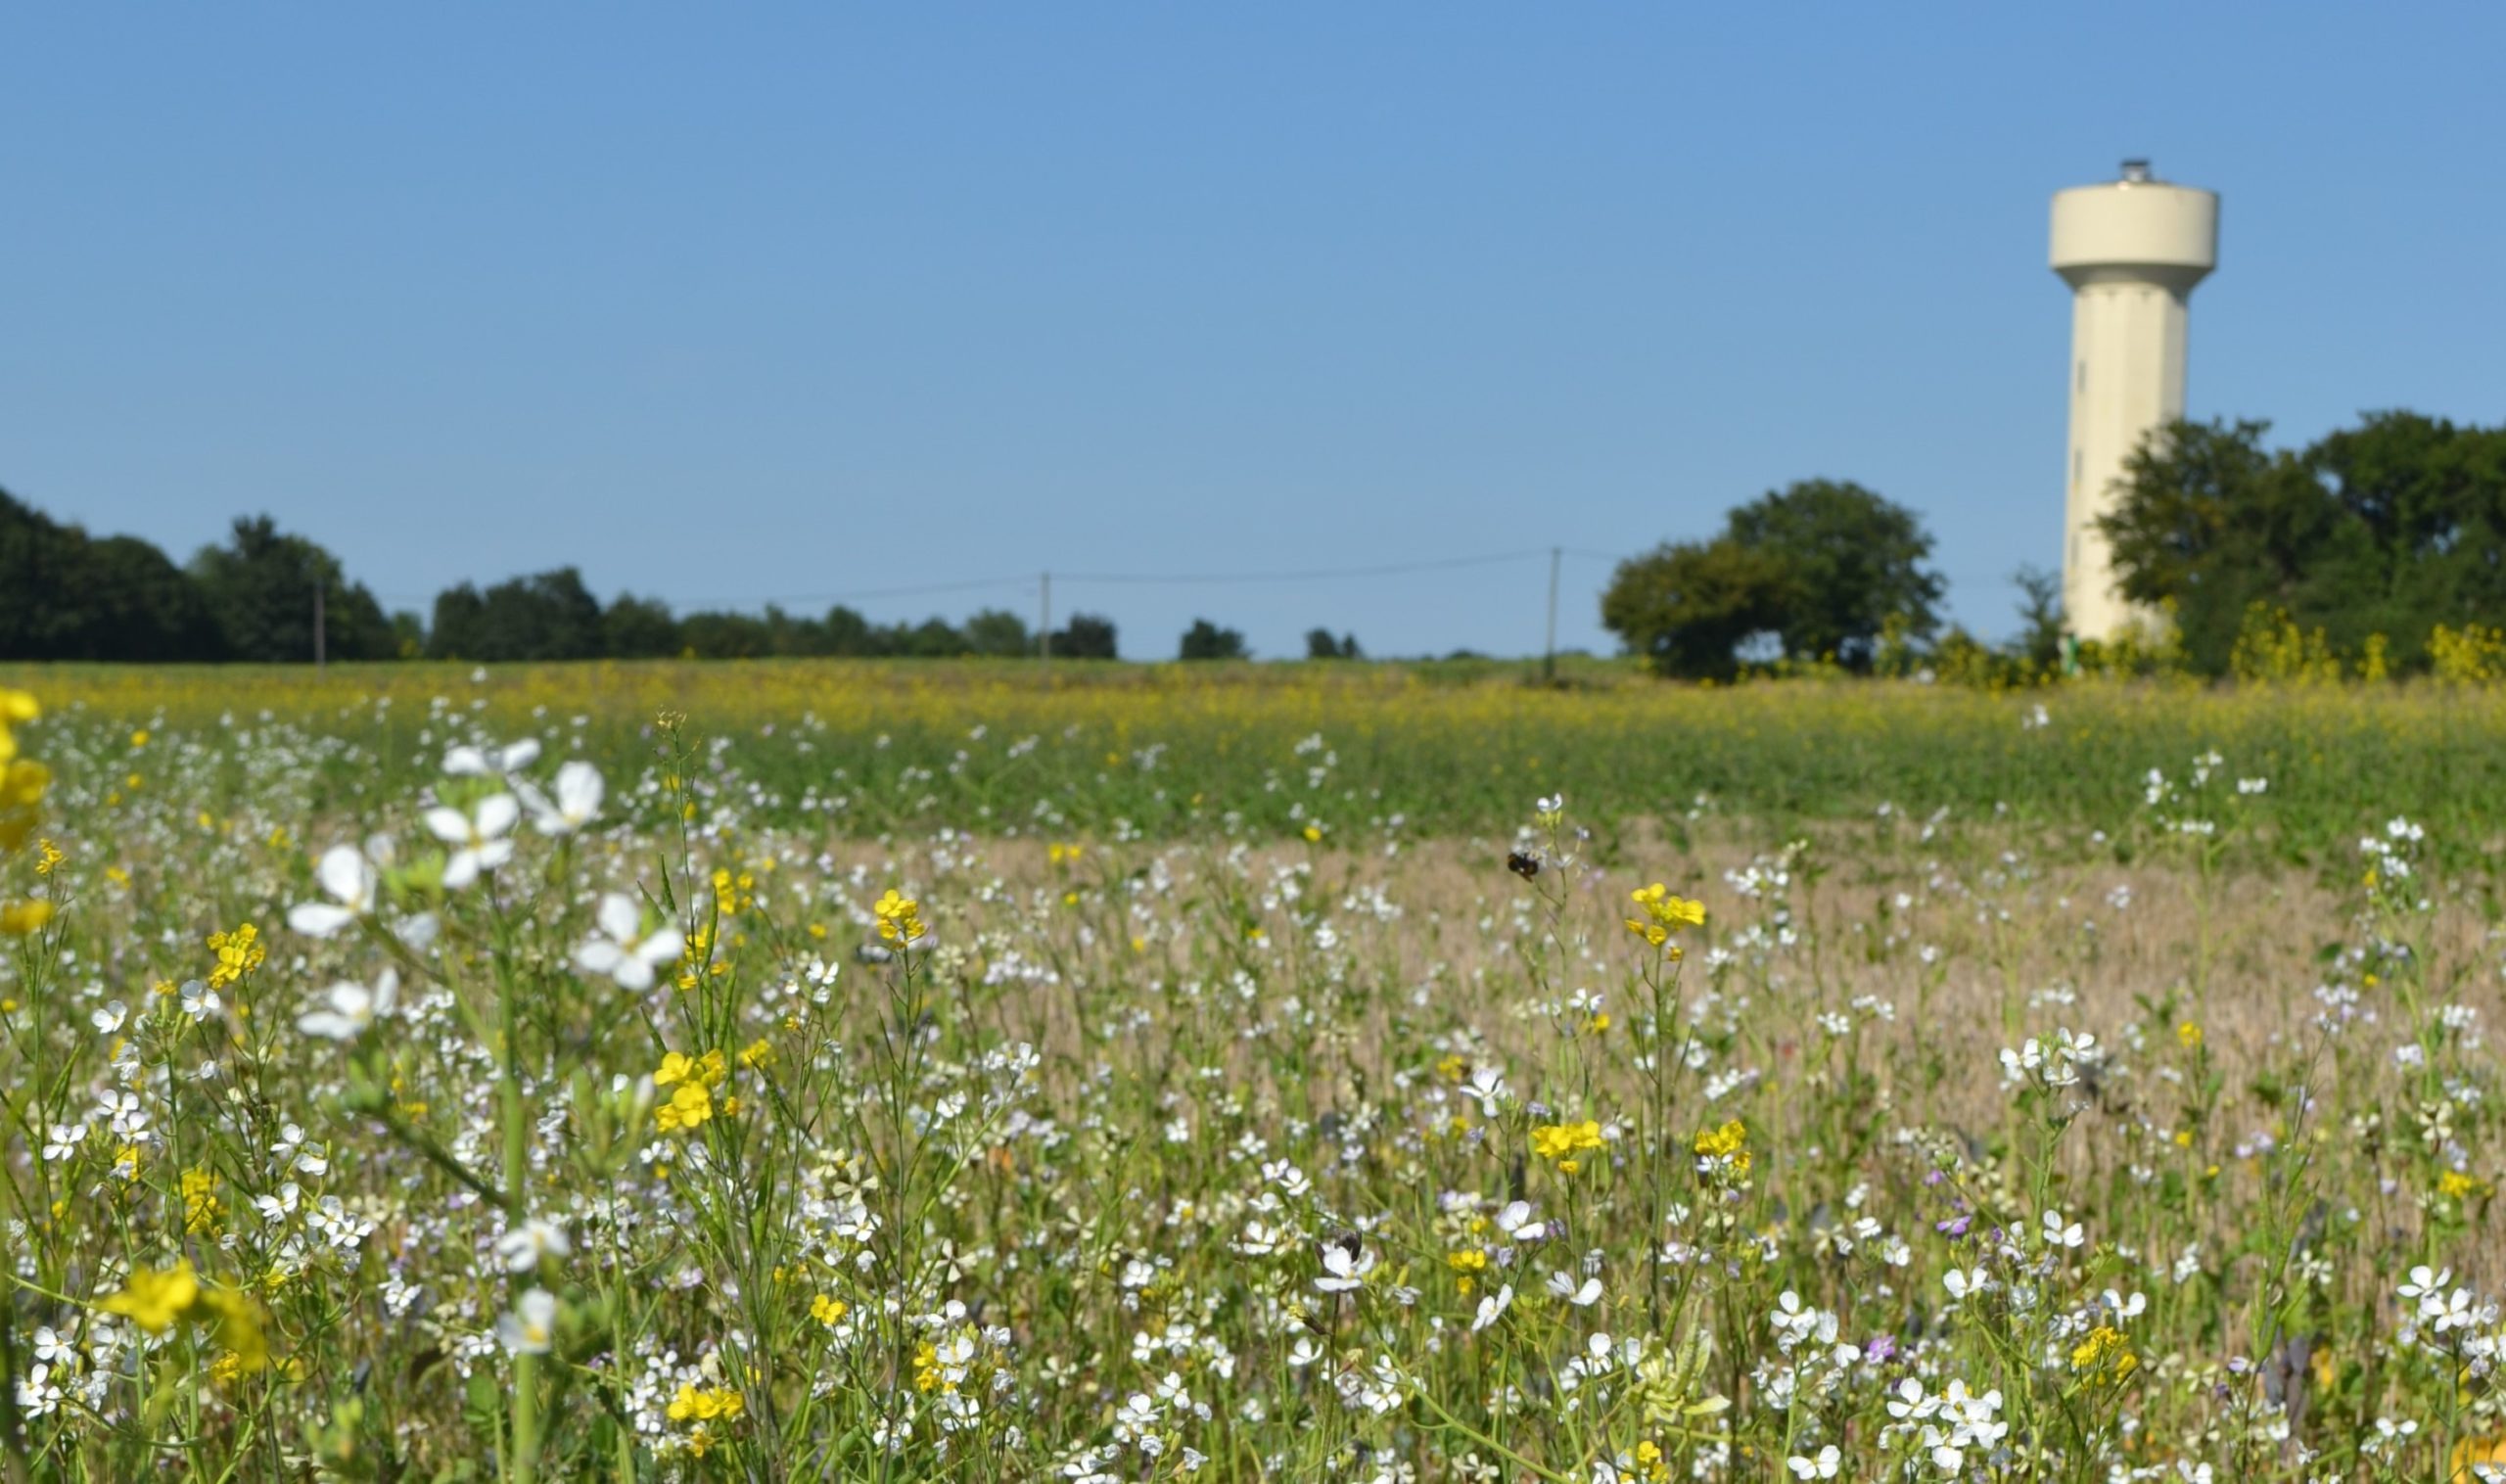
{"x": 2131, "y": 249}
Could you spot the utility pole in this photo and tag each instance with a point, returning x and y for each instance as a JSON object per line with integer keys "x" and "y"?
{"x": 1549, "y": 649}
{"x": 1044, "y": 621}
{"x": 321, "y": 660}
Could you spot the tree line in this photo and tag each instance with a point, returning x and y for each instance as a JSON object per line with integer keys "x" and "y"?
{"x": 2365, "y": 545}
{"x": 67, "y": 596}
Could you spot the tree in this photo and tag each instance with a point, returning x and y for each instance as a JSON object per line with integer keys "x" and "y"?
{"x": 2040, "y": 616}
{"x": 998, "y": 633}
{"x": 2390, "y": 528}
{"x": 639, "y": 628}
{"x": 1319, "y": 645}
{"x": 1689, "y": 606}
{"x": 1205, "y": 640}
{"x": 546, "y": 616}
{"x": 934, "y": 638}
{"x": 260, "y": 588}
{"x": 65, "y": 595}
{"x": 725, "y": 636}
{"x": 1088, "y": 636}
{"x": 1825, "y": 567}
{"x": 847, "y": 632}
{"x": 1852, "y": 561}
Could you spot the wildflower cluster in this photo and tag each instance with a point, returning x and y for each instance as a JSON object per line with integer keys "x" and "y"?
{"x": 556, "y": 1108}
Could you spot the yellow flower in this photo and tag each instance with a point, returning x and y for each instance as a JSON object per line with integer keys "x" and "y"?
{"x": 757, "y": 1054}
{"x": 18, "y": 918}
{"x": 687, "y": 1108}
{"x": 47, "y": 856}
{"x": 706, "y": 1071}
{"x": 2457, "y": 1186}
{"x": 239, "y": 954}
{"x": 2189, "y": 1035}
{"x": 704, "y": 1404}
{"x": 202, "y": 1209}
{"x": 2105, "y": 1353}
{"x": 1664, "y": 914}
{"x": 239, "y": 1327}
{"x": 1729, "y": 1145}
{"x": 900, "y": 917}
{"x": 153, "y": 1300}
{"x": 1723, "y": 1143}
{"x": 1560, "y": 1141}
{"x": 828, "y": 1310}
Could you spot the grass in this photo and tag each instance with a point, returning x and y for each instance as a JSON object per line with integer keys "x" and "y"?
{"x": 1444, "y": 749}
{"x": 1172, "y": 1095}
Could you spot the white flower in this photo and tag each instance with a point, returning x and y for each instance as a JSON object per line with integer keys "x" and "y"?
{"x": 1488, "y": 1084}
{"x": 200, "y": 1001}
{"x": 522, "y": 1247}
{"x": 1910, "y": 1405}
{"x": 350, "y": 880}
{"x": 1825, "y": 1465}
{"x": 1563, "y": 1286}
{"x": 480, "y": 840}
{"x": 1260, "y": 1238}
{"x": 353, "y": 1007}
{"x": 1345, "y": 1265}
{"x": 2425, "y": 1280}
{"x": 579, "y": 791}
{"x": 295, "y": 1152}
{"x": 278, "y": 1208}
{"x": 531, "y": 1326}
{"x": 1515, "y": 1221}
{"x": 331, "y": 1218}
{"x": 2058, "y": 1234}
{"x": 478, "y": 763}
{"x": 110, "y": 1019}
{"x": 1492, "y": 1305}
{"x": 1964, "y": 1283}
{"x": 1794, "y": 1323}
{"x": 621, "y": 950}
{"x": 65, "y": 1140}
{"x": 2458, "y": 1311}
{"x": 38, "y": 1396}
{"x": 123, "y": 1109}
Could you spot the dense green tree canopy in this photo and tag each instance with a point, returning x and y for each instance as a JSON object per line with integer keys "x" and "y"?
{"x": 65, "y": 595}
{"x": 1088, "y": 636}
{"x": 261, "y": 588}
{"x": 1206, "y": 640}
{"x": 1821, "y": 569}
{"x": 2389, "y": 527}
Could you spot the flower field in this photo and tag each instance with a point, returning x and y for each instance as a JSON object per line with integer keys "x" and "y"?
{"x": 802, "y": 1071}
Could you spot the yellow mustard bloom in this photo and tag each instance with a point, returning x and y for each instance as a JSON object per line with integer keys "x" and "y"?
{"x": 687, "y": 1108}
{"x": 153, "y": 1300}
{"x": 1561, "y": 1141}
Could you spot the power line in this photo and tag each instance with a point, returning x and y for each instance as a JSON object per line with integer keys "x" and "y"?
{"x": 1307, "y": 575}
{"x": 1125, "y": 579}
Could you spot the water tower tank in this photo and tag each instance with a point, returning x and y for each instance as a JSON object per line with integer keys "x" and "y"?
{"x": 2131, "y": 248}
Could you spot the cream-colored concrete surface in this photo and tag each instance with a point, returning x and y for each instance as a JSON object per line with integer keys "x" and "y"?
{"x": 2131, "y": 249}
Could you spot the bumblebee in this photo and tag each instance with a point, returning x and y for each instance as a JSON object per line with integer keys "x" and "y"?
{"x": 1524, "y": 863}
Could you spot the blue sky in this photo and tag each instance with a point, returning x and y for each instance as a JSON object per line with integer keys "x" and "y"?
{"x": 731, "y": 303}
